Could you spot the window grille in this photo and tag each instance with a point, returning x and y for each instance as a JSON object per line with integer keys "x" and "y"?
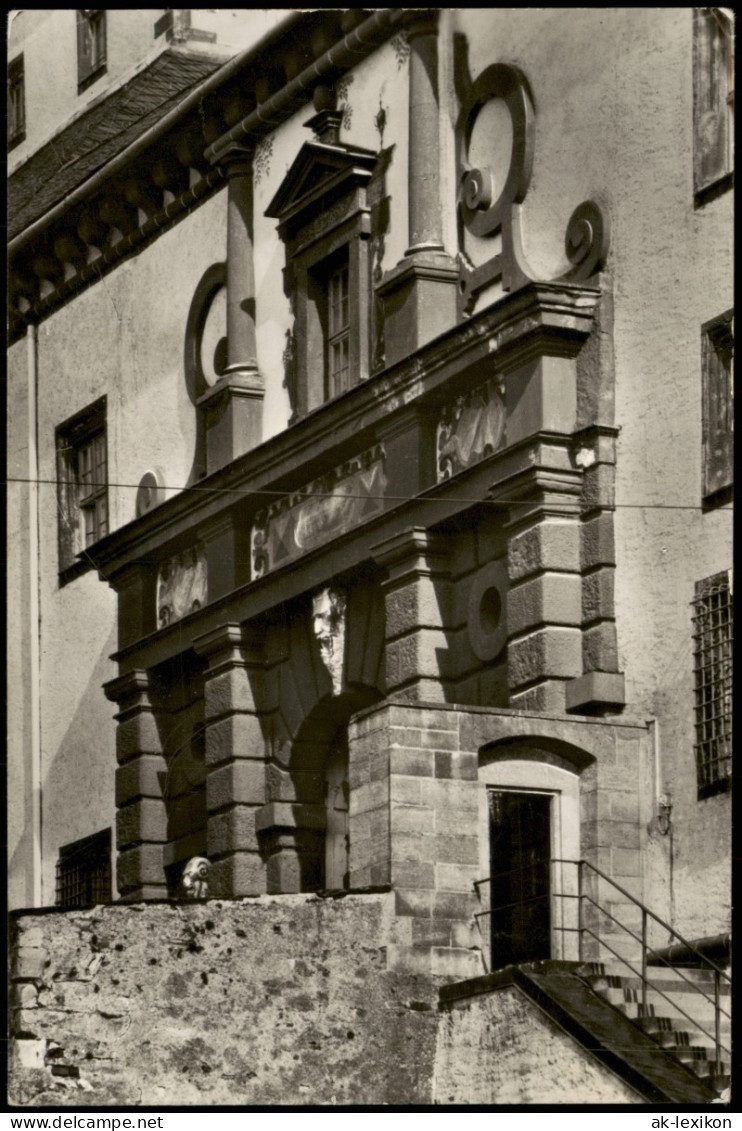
{"x": 16, "y": 102}
{"x": 712, "y": 638}
{"x": 84, "y": 871}
{"x": 338, "y": 338}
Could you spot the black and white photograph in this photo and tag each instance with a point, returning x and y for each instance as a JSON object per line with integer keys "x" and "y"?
{"x": 369, "y": 559}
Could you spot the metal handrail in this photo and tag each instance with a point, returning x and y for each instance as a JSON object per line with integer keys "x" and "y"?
{"x": 582, "y": 929}
{"x": 646, "y": 950}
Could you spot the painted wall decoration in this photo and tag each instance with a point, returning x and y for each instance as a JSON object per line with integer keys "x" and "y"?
{"x": 181, "y": 585}
{"x": 323, "y": 510}
{"x": 471, "y": 428}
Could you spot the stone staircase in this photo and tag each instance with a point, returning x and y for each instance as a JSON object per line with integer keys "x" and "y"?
{"x": 678, "y": 1015}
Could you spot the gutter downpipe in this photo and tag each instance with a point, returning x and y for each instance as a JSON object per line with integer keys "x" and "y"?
{"x": 34, "y": 619}
{"x": 223, "y": 74}
{"x": 269, "y": 113}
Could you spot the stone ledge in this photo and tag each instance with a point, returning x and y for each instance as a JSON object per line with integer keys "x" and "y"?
{"x": 594, "y": 690}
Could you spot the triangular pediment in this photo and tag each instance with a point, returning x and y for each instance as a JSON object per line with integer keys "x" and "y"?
{"x": 319, "y": 170}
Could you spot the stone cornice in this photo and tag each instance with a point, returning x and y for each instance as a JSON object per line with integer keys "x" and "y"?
{"x": 170, "y": 169}
{"x": 542, "y": 318}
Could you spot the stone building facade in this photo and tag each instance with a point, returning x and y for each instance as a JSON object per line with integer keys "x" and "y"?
{"x": 370, "y": 451}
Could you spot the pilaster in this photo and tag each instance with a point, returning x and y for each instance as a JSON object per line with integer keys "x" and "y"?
{"x": 235, "y": 758}
{"x": 416, "y": 594}
{"x": 141, "y": 818}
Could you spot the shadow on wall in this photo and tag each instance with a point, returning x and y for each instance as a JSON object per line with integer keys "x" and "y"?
{"x": 80, "y": 774}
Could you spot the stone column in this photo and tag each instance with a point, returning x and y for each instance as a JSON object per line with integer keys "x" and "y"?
{"x": 141, "y": 820}
{"x": 416, "y": 598}
{"x": 424, "y": 141}
{"x": 235, "y": 761}
{"x": 419, "y": 294}
{"x": 233, "y": 407}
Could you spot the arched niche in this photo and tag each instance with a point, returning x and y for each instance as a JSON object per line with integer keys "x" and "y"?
{"x": 306, "y": 839}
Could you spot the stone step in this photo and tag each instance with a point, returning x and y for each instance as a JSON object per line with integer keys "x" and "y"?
{"x": 665, "y": 1021}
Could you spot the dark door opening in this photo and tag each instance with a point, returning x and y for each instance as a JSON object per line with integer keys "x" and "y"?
{"x": 520, "y": 841}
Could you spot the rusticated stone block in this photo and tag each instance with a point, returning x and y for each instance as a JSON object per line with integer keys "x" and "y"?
{"x": 238, "y": 783}
{"x": 231, "y": 831}
{"x": 551, "y": 598}
{"x": 598, "y": 543}
{"x": 548, "y": 652}
{"x": 140, "y": 866}
{"x": 137, "y": 735}
{"x": 421, "y": 603}
{"x": 143, "y": 821}
{"x": 239, "y": 874}
{"x": 600, "y": 648}
{"x": 141, "y": 777}
{"x": 552, "y": 544}
{"x": 423, "y": 653}
{"x": 237, "y": 736}
{"x": 598, "y": 488}
{"x": 598, "y": 600}
{"x": 186, "y": 813}
{"x": 545, "y": 696}
{"x": 595, "y": 689}
{"x": 227, "y": 692}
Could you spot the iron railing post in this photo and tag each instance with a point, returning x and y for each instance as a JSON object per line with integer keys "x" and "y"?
{"x": 580, "y": 926}
{"x": 717, "y": 1019}
{"x": 644, "y": 961}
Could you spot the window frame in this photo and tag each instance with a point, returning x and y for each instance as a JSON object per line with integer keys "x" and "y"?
{"x": 713, "y": 104}
{"x": 86, "y": 432}
{"x": 312, "y": 270}
{"x": 712, "y": 683}
{"x": 17, "y": 119}
{"x": 94, "y": 851}
{"x": 91, "y": 66}
{"x": 717, "y": 377}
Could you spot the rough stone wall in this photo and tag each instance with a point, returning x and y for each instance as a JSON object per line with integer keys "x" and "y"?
{"x": 498, "y": 1048}
{"x": 273, "y": 1000}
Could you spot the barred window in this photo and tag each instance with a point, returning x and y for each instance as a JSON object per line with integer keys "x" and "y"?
{"x": 712, "y": 636}
{"x": 84, "y": 871}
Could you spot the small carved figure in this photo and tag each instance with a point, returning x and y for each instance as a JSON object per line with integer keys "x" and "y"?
{"x": 194, "y": 881}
